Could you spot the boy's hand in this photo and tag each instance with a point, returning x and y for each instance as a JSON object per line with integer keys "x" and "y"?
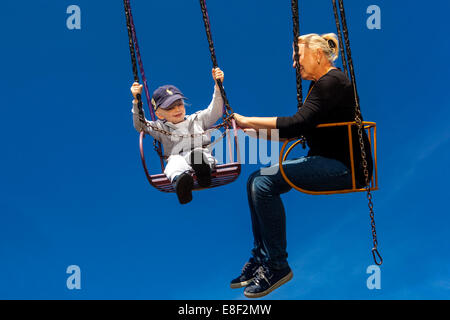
{"x": 136, "y": 89}
{"x": 217, "y": 74}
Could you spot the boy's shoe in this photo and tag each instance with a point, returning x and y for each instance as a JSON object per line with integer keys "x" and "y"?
{"x": 267, "y": 280}
{"x": 183, "y": 187}
{"x": 202, "y": 170}
{"x": 247, "y": 275}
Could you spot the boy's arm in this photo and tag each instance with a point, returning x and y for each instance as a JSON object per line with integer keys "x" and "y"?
{"x": 140, "y": 125}
{"x": 210, "y": 115}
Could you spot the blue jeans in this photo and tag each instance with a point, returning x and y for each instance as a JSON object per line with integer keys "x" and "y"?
{"x": 264, "y": 189}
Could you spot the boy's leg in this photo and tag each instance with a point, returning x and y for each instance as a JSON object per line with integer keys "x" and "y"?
{"x": 177, "y": 170}
{"x": 176, "y": 165}
{"x": 210, "y": 160}
{"x": 202, "y": 166}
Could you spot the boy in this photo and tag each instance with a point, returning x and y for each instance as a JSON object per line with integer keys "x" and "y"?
{"x": 183, "y": 154}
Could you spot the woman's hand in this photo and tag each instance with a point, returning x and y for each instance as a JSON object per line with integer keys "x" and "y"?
{"x": 217, "y": 74}
{"x": 136, "y": 89}
{"x": 240, "y": 121}
{"x": 255, "y": 122}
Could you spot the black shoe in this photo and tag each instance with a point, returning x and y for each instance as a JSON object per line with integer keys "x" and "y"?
{"x": 247, "y": 275}
{"x": 183, "y": 186}
{"x": 202, "y": 170}
{"x": 267, "y": 280}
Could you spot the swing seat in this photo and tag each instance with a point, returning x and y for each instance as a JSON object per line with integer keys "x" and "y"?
{"x": 221, "y": 175}
{"x": 371, "y": 130}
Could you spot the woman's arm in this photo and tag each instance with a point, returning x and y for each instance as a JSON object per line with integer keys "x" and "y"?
{"x": 259, "y": 127}
{"x": 255, "y": 122}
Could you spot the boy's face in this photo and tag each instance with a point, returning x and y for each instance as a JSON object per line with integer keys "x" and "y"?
{"x": 175, "y": 113}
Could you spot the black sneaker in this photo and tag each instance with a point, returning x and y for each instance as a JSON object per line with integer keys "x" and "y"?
{"x": 202, "y": 170}
{"x": 247, "y": 275}
{"x": 267, "y": 280}
{"x": 183, "y": 186}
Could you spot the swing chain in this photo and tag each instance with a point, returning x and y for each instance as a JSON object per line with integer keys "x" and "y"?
{"x": 376, "y": 255}
{"x": 133, "y": 55}
{"x": 358, "y": 119}
{"x": 226, "y": 124}
{"x": 295, "y": 22}
{"x": 339, "y": 33}
{"x": 298, "y": 77}
{"x": 192, "y": 136}
{"x": 227, "y": 108}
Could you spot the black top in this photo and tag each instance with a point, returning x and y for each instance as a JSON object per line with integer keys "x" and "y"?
{"x": 331, "y": 99}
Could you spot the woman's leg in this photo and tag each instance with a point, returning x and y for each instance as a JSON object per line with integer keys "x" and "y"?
{"x": 258, "y": 252}
{"x": 268, "y": 218}
{"x": 266, "y": 207}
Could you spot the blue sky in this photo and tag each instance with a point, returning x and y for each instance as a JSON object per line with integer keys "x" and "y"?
{"x": 73, "y": 192}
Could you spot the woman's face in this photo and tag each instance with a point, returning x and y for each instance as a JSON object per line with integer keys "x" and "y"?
{"x": 175, "y": 113}
{"x": 308, "y": 63}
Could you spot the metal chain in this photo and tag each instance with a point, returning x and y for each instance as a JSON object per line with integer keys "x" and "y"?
{"x": 228, "y": 110}
{"x": 226, "y": 124}
{"x": 126, "y": 5}
{"x": 139, "y": 62}
{"x": 296, "y": 28}
{"x": 134, "y": 50}
{"x": 358, "y": 119}
{"x": 339, "y": 32}
{"x": 298, "y": 77}
{"x": 208, "y": 145}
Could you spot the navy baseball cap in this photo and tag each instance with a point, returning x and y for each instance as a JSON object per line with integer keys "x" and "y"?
{"x": 164, "y": 96}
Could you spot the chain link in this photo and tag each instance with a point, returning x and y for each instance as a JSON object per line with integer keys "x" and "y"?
{"x": 226, "y": 124}
{"x": 296, "y": 28}
{"x": 228, "y": 110}
{"x": 375, "y": 252}
{"x": 358, "y": 120}
{"x": 339, "y": 33}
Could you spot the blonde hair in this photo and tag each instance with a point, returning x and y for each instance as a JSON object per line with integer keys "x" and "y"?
{"x": 328, "y": 43}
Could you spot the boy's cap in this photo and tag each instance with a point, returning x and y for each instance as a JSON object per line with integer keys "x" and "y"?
{"x": 164, "y": 96}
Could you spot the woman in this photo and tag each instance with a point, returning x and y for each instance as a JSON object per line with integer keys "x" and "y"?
{"x": 330, "y": 99}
